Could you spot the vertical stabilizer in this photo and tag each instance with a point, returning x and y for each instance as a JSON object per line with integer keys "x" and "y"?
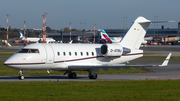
{"x": 104, "y": 36}
{"x": 135, "y": 35}
{"x": 21, "y": 36}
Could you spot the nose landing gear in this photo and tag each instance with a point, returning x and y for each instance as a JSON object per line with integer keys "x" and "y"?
{"x": 21, "y": 77}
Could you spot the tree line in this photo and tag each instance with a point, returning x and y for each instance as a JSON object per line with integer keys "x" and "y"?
{"x": 14, "y": 33}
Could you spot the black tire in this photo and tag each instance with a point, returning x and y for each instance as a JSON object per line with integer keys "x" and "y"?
{"x": 21, "y": 77}
{"x": 93, "y": 77}
{"x": 73, "y": 75}
{"x": 70, "y": 76}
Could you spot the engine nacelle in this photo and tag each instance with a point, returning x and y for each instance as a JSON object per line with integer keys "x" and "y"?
{"x": 111, "y": 50}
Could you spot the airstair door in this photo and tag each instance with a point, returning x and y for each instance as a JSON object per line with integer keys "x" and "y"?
{"x": 49, "y": 54}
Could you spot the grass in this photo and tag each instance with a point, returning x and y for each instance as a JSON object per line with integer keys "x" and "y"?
{"x": 148, "y": 90}
{"x": 7, "y": 53}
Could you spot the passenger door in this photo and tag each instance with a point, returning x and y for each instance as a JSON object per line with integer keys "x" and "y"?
{"x": 49, "y": 54}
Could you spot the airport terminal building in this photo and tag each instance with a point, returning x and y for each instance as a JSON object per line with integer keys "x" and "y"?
{"x": 157, "y": 35}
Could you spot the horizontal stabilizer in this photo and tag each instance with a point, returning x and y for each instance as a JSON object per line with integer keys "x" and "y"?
{"x": 165, "y": 63}
{"x": 141, "y": 22}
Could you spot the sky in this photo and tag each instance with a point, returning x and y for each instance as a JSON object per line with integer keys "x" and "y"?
{"x": 111, "y": 14}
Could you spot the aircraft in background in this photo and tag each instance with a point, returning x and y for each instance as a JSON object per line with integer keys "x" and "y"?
{"x": 106, "y": 38}
{"x": 35, "y": 40}
{"x": 83, "y": 57}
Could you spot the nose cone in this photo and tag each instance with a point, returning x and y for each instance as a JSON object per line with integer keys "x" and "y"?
{"x": 6, "y": 62}
{"x": 10, "y": 61}
{"x": 13, "y": 62}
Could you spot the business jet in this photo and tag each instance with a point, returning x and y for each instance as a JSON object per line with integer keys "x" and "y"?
{"x": 34, "y": 40}
{"x": 83, "y": 57}
{"x": 106, "y": 38}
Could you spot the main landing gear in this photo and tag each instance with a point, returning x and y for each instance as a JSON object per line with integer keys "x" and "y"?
{"x": 92, "y": 74}
{"x": 21, "y": 77}
{"x": 73, "y": 75}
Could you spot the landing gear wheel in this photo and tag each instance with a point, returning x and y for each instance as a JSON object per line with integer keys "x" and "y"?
{"x": 21, "y": 77}
{"x": 92, "y": 74}
{"x": 72, "y": 75}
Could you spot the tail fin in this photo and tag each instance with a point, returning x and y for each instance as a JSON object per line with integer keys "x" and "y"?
{"x": 21, "y": 36}
{"x": 104, "y": 36}
{"x": 135, "y": 35}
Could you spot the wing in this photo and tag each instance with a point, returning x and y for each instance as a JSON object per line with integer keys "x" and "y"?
{"x": 115, "y": 66}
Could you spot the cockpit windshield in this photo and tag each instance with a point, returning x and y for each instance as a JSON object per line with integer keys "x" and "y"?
{"x": 28, "y": 51}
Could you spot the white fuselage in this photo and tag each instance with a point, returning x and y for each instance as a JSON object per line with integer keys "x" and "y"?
{"x": 60, "y": 56}
{"x": 31, "y": 39}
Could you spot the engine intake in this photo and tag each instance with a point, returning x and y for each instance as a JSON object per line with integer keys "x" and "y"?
{"x": 111, "y": 50}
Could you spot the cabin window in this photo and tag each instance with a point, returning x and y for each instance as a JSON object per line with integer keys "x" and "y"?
{"x": 81, "y": 53}
{"x": 69, "y": 53}
{"x": 64, "y": 53}
{"x": 28, "y": 51}
{"x": 75, "y": 53}
{"x": 92, "y": 53}
{"x": 87, "y": 53}
{"x": 58, "y": 53}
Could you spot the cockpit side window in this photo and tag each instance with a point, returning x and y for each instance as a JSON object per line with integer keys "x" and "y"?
{"x": 29, "y": 51}
{"x": 23, "y": 51}
{"x": 33, "y": 51}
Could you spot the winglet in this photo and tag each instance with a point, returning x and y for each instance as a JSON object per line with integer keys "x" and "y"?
{"x": 165, "y": 63}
